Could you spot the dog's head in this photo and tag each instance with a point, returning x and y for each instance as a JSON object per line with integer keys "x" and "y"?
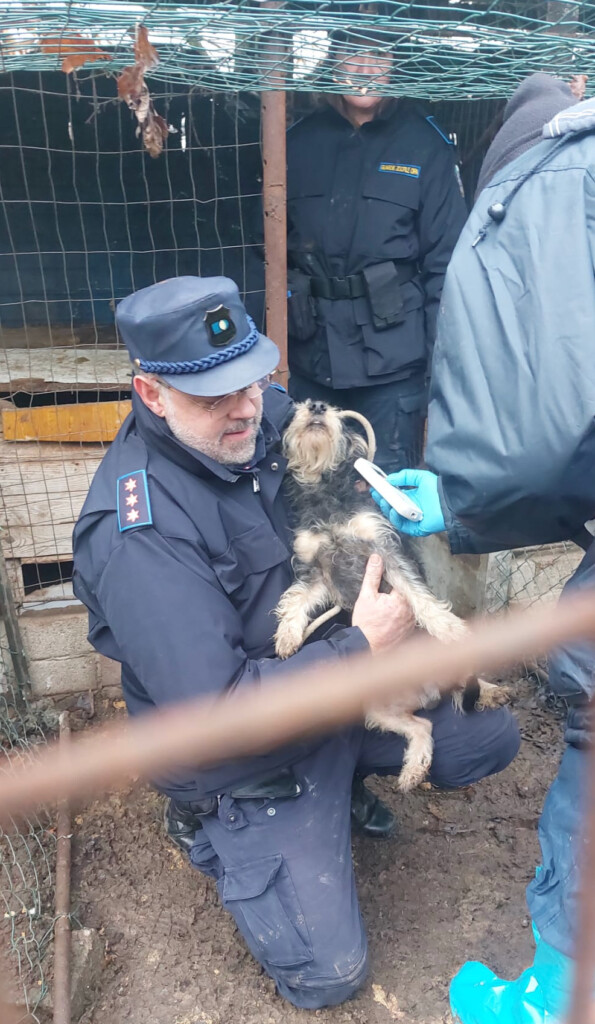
{"x": 319, "y": 440}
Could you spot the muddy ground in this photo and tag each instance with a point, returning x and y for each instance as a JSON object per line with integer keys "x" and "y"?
{"x": 450, "y": 887}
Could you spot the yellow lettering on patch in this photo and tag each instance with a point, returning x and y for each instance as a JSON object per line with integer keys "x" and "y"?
{"x": 410, "y": 169}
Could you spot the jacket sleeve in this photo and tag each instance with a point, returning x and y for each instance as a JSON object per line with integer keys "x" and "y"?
{"x": 441, "y": 218}
{"x": 462, "y": 539}
{"x": 177, "y": 630}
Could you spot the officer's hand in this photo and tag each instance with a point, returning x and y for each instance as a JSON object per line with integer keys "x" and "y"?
{"x": 384, "y": 619}
{"x": 424, "y": 493}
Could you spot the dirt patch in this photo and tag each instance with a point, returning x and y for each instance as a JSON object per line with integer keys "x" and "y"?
{"x": 450, "y": 887}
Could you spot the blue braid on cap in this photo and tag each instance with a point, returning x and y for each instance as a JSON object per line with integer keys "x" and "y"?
{"x": 207, "y": 362}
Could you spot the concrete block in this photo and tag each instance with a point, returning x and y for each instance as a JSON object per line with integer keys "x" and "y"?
{"x": 53, "y": 676}
{"x": 459, "y": 579}
{"x": 108, "y": 673}
{"x": 55, "y": 632}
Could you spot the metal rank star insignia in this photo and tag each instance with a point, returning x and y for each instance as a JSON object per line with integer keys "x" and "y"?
{"x": 134, "y": 506}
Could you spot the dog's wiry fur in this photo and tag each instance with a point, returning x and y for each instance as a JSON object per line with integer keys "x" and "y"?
{"x": 338, "y": 528}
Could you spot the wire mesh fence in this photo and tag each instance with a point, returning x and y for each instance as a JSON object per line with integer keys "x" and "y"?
{"x": 528, "y": 575}
{"x": 27, "y": 854}
{"x": 449, "y": 48}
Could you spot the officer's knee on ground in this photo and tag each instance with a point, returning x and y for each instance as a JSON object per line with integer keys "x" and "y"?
{"x": 319, "y": 990}
{"x": 492, "y": 741}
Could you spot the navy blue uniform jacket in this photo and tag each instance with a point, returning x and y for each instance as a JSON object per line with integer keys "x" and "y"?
{"x": 185, "y": 603}
{"x": 386, "y": 191}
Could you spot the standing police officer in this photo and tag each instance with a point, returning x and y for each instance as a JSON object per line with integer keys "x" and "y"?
{"x": 182, "y": 551}
{"x": 374, "y": 211}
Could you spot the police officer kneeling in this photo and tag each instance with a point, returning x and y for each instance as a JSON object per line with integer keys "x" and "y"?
{"x": 182, "y": 551}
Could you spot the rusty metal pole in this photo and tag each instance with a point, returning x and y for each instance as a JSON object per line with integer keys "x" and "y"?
{"x": 62, "y": 934}
{"x": 274, "y": 192}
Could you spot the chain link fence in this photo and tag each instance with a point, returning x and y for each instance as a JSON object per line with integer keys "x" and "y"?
{"x": 27, "y": 853}
{"x": 525, "y": 576}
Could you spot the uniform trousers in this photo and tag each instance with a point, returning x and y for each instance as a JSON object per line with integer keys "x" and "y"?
{"x": 284, "y": 868}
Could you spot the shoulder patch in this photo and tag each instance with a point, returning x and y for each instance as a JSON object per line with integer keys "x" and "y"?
{"x": 134, "y": 506}
{"x": 411, "y": 170}
{"x": 432, "y": 121}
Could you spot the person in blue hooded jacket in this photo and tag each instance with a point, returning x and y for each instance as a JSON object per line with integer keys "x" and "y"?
{"x": 182, "y": 552}
{"x": 511, "y": 451}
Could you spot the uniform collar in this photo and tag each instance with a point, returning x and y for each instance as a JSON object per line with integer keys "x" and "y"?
{"x": 158, "y": 437}
{"x": 387, "y": 114}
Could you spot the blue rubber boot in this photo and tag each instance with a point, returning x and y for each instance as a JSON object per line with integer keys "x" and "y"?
{"x": 540, "y": 996}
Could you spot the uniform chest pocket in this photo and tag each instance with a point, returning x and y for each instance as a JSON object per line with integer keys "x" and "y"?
{"x": 400, "y": 189}
{"x": 255, "y": 551}
{"x": 388, "y": 219}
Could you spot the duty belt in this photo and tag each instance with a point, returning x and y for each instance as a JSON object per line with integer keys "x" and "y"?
{"x": 282, "y": 786}
{"x": 354, "y": 286}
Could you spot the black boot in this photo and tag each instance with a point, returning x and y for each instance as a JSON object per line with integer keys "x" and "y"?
{"x": 181, "y": 824}
{"x": 368, "y": 814}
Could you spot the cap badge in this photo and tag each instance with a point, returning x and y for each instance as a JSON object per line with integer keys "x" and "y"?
{"x": 220, "y": 326}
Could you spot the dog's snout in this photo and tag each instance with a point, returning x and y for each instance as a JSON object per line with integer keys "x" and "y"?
{"x": 318, "y": 408}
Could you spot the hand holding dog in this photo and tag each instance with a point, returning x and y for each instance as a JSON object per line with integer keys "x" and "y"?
{"x": 424, "y": 492}
{"x": 384, "y": 619}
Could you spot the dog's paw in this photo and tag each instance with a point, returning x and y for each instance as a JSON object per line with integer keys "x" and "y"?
{"x": 414, "y": 773}
{"x": 491, "y": 696}
{"x": 288, "y": 639}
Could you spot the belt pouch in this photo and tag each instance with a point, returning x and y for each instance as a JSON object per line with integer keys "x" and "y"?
{"x": 384, "y": 294}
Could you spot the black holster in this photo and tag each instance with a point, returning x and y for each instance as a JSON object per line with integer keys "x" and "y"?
{"x": 384, "y": 294}
{"x": 281, "y": 786}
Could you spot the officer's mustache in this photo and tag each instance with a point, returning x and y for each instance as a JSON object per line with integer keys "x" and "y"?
{"x": 240, "y": 425}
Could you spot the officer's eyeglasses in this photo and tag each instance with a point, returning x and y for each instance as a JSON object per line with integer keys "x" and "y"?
{"x": 223, "y": 401}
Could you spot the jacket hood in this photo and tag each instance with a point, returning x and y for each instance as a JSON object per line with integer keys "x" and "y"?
{"x": 539, "y": 90}
{"x": 578, "y": 118}
{"x": 535, "y": 102}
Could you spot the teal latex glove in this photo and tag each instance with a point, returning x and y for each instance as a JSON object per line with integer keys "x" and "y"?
{"x": 424, "y": 493}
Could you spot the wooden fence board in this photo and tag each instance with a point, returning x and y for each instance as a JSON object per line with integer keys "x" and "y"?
{"x": 84, "y": 422}
{"x": 40, "y": 370}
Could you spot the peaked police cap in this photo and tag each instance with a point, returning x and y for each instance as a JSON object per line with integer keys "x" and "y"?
{"x": 195, "y": 334}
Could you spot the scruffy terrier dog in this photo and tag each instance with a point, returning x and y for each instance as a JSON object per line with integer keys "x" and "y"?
{"x": 338, "y": 528}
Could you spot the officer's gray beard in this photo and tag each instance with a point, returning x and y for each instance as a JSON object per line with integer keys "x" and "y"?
{"x": 226, "y": 451}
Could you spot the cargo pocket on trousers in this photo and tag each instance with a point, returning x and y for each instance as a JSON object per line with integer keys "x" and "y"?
{"x": 262, "y": 898}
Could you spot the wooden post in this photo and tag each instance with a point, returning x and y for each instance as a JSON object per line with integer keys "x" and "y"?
{"x": 274, "y": 191}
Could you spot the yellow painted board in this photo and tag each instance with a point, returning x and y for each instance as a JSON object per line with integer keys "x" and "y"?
{"x": 87, "y": 421}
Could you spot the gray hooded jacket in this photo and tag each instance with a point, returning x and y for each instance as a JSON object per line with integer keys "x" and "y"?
{"x": 512, "y": 413}
{"x": 513, "y": 365}
{"x": 537, "y": 99}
